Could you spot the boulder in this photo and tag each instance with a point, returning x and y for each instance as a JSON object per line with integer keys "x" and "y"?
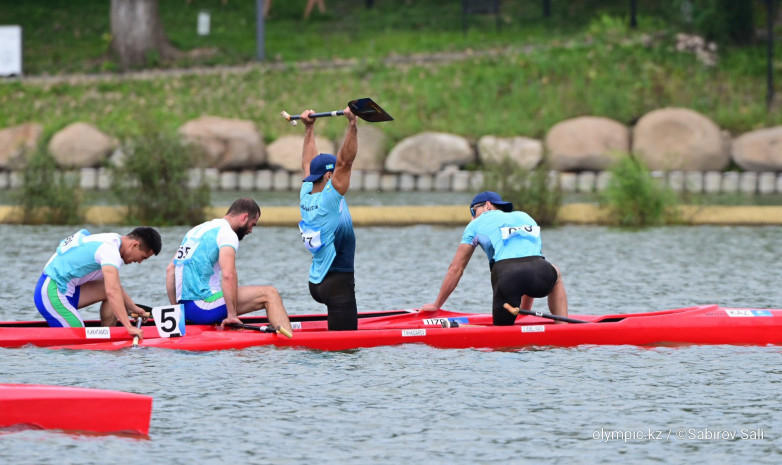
{"x": 372, "y": 143}
{"x": 285, "y": 152}
{"x": 229, "y": 144}
{"x": 586, "y": 143}
{"x": 81, "y": 145}
{"x": 429, "y": 152}
{"x": 523, "y": 151}
{"x": 759, "y": 150}
{"x": 680, "y": 139}
{"x": 15, "y": 142}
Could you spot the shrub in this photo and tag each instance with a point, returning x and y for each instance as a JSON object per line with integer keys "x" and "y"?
{"x": 530, "y": 190}
{"x": 153, "y": 180}
{"x": 48, "y": 195}
{"x": 635, "y": 199}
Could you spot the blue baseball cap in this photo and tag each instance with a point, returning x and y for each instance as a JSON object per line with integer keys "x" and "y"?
{"x": 320, "y": 165}
{"x": 494, "y": 198}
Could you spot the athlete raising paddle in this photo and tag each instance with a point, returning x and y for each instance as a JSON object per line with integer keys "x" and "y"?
{"x": 326, "y": 226}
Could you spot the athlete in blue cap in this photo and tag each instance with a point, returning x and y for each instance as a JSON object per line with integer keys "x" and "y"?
{"x": 519, "y": 272}
{"x": 326, "y": 226}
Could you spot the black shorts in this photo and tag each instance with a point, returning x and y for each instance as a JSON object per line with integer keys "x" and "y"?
{"x": 338, "y": 292}
{"x": 515, "y": 277}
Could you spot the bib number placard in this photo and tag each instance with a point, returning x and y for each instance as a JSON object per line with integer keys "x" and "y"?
{"x": 169, "y": 320}
{"x": 71, "y": 241}
{"x": 310, "y": 238}
{"x": 185, "y": 251}
{"x": 508, "y": 231}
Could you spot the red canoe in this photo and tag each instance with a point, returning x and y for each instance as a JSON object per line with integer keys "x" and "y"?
{"x": 706, "y": 324}
{"x": 74, "y": 409}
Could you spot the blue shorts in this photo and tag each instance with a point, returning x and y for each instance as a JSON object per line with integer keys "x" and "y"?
{"x": 206, "y": 312}
{"x": 60, "y": 310}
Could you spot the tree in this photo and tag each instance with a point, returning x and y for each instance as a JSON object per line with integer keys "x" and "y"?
{"x": 137, "y": 33}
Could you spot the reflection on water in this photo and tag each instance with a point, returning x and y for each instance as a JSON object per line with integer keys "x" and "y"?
{"x": 391, "y": 405}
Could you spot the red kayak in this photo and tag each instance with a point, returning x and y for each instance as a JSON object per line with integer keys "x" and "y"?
{"x": 74, "y": 409}
{"x": 707, "y": 324}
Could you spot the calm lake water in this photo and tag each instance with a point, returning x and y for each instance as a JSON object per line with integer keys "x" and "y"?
{"x": 415, "y": 404}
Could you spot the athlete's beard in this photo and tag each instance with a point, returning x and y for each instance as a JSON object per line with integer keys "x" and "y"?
{"x": 242, "y": 231}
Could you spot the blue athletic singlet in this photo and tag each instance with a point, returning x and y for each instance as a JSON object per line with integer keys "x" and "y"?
{"x": 504, "y": 235}
{"x": 197, "y": 259}
{"x": 327, "y": 231}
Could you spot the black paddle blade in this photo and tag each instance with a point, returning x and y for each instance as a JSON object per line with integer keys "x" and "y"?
{"x": 368, "y": 110}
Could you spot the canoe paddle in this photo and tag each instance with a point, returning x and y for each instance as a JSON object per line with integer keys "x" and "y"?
{"x": 515, "y": 311}
{"x": 262, "y": 329}
{"x": 139, "y": 321}
{"x": 364, "y": 108}
{"x": 138, "y": 325}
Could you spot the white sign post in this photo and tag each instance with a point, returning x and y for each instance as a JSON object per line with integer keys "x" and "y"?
{"x": 10, "y": 50}
{"x": 203, "y": 23}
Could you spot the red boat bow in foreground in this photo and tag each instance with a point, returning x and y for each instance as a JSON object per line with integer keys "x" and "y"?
{"x": 74, "y": 409}
{"x": 708, "y": 324}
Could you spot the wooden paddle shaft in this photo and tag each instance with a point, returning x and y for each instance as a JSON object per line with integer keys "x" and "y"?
{"x": 262, "y": 329}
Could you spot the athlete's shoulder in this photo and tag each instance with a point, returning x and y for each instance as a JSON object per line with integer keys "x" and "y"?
{"x": 523, "y": 216}
{"x": 104, "y": 238}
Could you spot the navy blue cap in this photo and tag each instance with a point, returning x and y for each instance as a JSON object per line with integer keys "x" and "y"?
{"x": 320, "y": 165}
{"x": 494, "y": 198}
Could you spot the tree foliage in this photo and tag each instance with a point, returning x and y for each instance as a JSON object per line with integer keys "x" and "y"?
{"x": 154, "y": 181}
{"x": 533, "y": 191}
{"x": 47, "y": 194}
{"x": 635, "y": 199}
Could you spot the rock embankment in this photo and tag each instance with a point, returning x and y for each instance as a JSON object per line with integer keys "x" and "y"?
{"x": 676, "y": 143}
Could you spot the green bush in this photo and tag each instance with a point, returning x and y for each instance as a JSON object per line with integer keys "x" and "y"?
{"x": 635, "y": 198}
{"x": 153, "y": 181}
{"x": 48, "y": 195}
{"x": 533, "y": 191}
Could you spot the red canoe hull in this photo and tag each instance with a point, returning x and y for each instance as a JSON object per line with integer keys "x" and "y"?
{"x": 74, "y": 409}
{"x": 695, "y": 325}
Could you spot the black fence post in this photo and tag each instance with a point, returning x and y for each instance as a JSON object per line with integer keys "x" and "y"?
{"x": 547, "y": 8}
{"x": 633, "y": 11}
{"x": 769, "y": 53}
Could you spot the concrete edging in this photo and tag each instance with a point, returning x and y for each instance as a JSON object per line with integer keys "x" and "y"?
{"x": 452, "y": 215}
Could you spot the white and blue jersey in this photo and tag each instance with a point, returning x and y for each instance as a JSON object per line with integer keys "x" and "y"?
{"x": 327, "y": 231}
{"x": 197, "y": 259}
{"x": 80, "y": 257}
{"x": 504, "y": 235}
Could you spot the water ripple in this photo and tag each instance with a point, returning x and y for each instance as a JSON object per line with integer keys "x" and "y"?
{"x": 391, "y": 405}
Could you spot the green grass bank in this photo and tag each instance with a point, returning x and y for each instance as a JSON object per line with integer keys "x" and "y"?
{"x": 412, "y": 57}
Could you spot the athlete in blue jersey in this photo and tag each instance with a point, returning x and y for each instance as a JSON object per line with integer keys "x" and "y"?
{"x": 85, "y": 270}
{"x": 202, "y": 276}
{"x": 519, "y": 272}
{"x": 326, "y": 227}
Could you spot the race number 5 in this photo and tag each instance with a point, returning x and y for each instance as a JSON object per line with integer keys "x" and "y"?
{"x": 169, "y": 320}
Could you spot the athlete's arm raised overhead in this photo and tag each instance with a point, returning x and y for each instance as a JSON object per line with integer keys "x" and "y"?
{"x": 346, "y": 156}
{"x": 310, "y": 150}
